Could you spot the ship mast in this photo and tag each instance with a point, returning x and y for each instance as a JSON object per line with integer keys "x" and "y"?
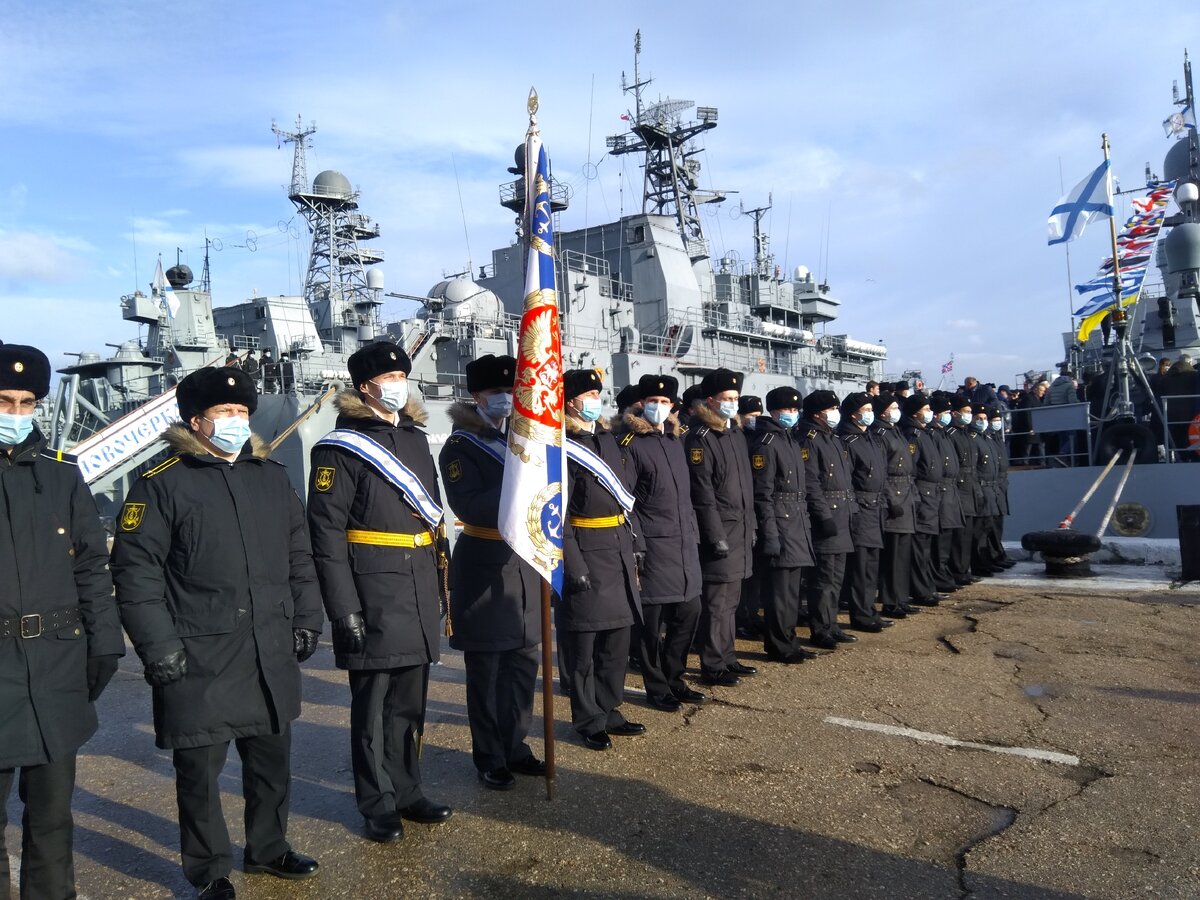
{"x": 670, "y": 185}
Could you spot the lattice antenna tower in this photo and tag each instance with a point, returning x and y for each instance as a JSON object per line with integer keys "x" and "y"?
{"x": 299, "y": 137}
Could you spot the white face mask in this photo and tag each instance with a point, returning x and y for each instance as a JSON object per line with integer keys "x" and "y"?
{"x": 230, "y": 433}
{"x": 997, "y": 424}
{"x": 927, "y": 417}
{"x": 833, "y": 417}
{"x": 656, "y": 413}
{"x": 893, "y": 416}
{"x": 728, "y": 408}
{"x": 499, "y": 406}
{"x": 867, "y": 419}
{"x": 393, "y": 394}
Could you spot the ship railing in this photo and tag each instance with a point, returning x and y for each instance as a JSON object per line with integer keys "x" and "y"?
{"x": 1053, "y": 435}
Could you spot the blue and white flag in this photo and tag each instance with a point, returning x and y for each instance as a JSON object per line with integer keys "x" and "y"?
{"x": 164, "y": 291}
{"x": 533, "y": 496}
{"x": 1177, "y": 124}
{"x": 1089, "y": 200}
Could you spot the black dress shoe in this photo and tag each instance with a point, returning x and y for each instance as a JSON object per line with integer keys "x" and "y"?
{"x": 666, "y": 704}
{"x": 842, "y": 638}
{"x": 530, "y": 765}
{"x": 869, "y": 627}
{"x": 738, "y": 669}
{"x": 291, "y": 865}
{"x": 725, "y": 678}
{"x": 824, "y": 641}
{"x": 687, "y": 695}
{"x": 598, "y": 740}
{"x": 383, "y": 829}
{"x": 426, "y": 812}
{"x": 627, "y": 729}
{"x": 790, "y": 659}
{"x": 966, "y": 581}
{"x": 221, "y": 889}
{"x": 894, "y": 612}
{"x": 926, "y": 601}
{"x": 498, "y": 779}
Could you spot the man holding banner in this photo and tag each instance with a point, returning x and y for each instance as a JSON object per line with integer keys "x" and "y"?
{"x": 374, "y": 512}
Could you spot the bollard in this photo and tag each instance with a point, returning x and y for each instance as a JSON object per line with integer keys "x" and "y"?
{"x": 1189, "y": 540}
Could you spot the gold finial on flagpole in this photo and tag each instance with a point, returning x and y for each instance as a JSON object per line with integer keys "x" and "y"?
{"x": 533, "y": 102}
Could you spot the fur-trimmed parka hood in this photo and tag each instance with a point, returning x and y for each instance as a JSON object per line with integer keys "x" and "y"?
{"x": 464, "y": 416}
{"x": 575, "y": 425}
{"x": 706, "y": 416}
{"x": 639, "y": 425}
{"x": 351, "y": 405}
{"x": 183, "y": 440}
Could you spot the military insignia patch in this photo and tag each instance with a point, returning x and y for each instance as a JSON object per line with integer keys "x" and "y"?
{"x": 132, "y": 515}
{"x": 324, "y": 480}
{"x": 912, "y": 448}
{"x": 758, "y": 461}
{"x": 804, "y": 453}
{"x": 696, "y": 456}
{"x": 454, "y": 470}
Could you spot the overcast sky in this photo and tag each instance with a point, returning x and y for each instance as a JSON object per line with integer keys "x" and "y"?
{"x": 924, "y": 138}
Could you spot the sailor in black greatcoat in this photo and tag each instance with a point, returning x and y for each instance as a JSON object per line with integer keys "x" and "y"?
{"x": 830, "y": 497}
{"x": 987, "y": 469}
{"x": 995, "y": 433}
{"x": 899, "y": 519}
{"x": 600, "y": 601}
{"x": 670, "y": 566}
{"x": 216, "y": 588}
{"x": 784, "y": 537}
{"x": 970, "y": 495}
{"x": 929, "y": 466}
{"x": 59, "y": 634}
{"x": 376, "y": 552}
{"x": 749, "y": 620}
{"x": 868, "y": 458}
{"x": 495, "y": 596}
{"x": 951, "y": 520}
{"x": 723, "y": 497}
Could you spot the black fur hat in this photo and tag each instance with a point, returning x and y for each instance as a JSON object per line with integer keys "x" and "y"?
{"x": 718, "y": 381}
{"x": 748, "y": 403}
{"x": 212, "y": 387}
{"x": 940, "y": 404}
{"x": 490, "y": 371}
{"x": 913, "y": 403}
{"x": 378, "y": 358}
{"x": 856, "y": 401}
{"x": 783, "y": 398}
{"x": 882, "y": 402}
{"x": 24, "y": 368}
{"x": 627, "y": 396}
{"x": 580, "y": 381}
{"x": 657, "y": 386}
{"x": 818, "y": 401}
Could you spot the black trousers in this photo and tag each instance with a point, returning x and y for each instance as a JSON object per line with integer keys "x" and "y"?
{"x": 824, "y": 587}
{"x": 595, "y": 663}
{"x": 663, "y": 642}
{"x": 386, "y": 710}
{"x": 862, "y": 584}
{"x": 266, "y": 787}
{"x": 47, "y": 830}
{"x": 963, "y": 546}
{"x": 920, "y": 582}
{"x": 982, "y": 561}
{"x": 895, "y": 568}
{"x": 753, "y": 598}
{"x": 996, "y": 540}
{"x": 719, "y": 601}
{"x": 500, "y": 704}
{"x": 782, "y": 604}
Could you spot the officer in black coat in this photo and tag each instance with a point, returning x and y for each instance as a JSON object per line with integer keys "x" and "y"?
{"x": 600, "y": 601}
{"x": 784, "y": 536}
{"x": 749, "y": 619}
{"x": 723, "y": 497}
{"x": 929, "y": 466}
{"x": 495, "y": 596}
{"x": 899, "y": 522}
{"x": 951, "y": 520}
{"x": 377, "y": 552}
{"x": 670, "y": 566}
{"x": 869, "y": 462}
{"x": 964, "y": 438}
{"x": 216, "y": 588}
{"x": 60, "y": 638}
{"x": 987, "y": 473}
{"x": 995, "y": 433}
{"x": 830, "y": 497}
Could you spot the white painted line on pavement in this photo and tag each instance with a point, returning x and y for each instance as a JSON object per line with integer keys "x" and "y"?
{"x": 930, "y": 738}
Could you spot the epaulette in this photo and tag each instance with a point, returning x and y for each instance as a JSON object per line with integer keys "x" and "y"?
{"x": 703, "y": 430}
{"x": 626, "y": 439}
{"x": 161, "y": 467}
{"x": 455, "y": 438}
{"x": 768, "y": 438}
{"x": 683, "y": 429}
{"x": 812, "y": 433}
{"x": 851, "y": 438}
{"x": 59, "y": 456}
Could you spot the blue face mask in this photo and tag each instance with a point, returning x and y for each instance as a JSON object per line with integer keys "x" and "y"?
{"x": 788, "y": 419}
{"x": 997, "y": 424}
{"x": 230, "y": 433}
{"x": 656, "y": 413}
{"x": 866, "y": 419}
{"x": 979, "y": 424}
{"x": 499, "y": 406}
{"x": 394, "y": 394}
{"x": 14, "y": 429}
{"x": 591, "y": 409}
{"x": 750, "y": 423}
{"x": 943, "y": 419}
{"x": 728, "y": 409}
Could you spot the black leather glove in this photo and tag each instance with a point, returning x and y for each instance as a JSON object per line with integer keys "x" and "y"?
{"x": 304, "y": 643}
{"x": 720, "y": 549}
{"x": 578, "y": 584}
{"x": 639, "y": 559}
{"x": 826, "y": 528}
{"x": 895, "y": 512}
{"x": 349, "y": 635}
{"x": 100, "y": 670}
{"x": 170, "y": 668}
{"x": 771, "y": 546}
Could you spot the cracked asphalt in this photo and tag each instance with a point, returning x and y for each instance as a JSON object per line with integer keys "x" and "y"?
{"x": 753, "y": 794}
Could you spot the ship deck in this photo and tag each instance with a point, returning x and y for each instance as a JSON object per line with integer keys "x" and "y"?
{"x": 803, "y": 781}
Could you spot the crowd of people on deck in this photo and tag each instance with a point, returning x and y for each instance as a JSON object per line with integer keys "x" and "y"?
{"x": 692, "y": 519}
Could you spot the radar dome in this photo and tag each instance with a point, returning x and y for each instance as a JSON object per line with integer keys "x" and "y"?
{"x": 1183, "y": 247}
{"x": 1175, "y": 166}
{"x": 179, "y": 276}
{"x": 464, "y": 298}
{"x": 332, "y": 184}
{"x": 375, "y": 279}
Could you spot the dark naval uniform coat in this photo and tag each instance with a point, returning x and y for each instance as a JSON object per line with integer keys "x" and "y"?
{"x": 929, "y": 467}
{"x": 869, "y": 462}
{"x": 899, "y": 521}
{"x": 723, "y": 497}
{"x": 831, "y": 507}
{"x": 783, "y": 526}
{"x": 987, "y": 469}
{"x": 395, "y": 589}
{"x": 951, "y": 519}
{"x": 670, "y": 576}
{"x": 597, "y": 623}
{"x": 495, "y": 599}
{"x": 54, "y": 555}
{"x": 212, "y": 557}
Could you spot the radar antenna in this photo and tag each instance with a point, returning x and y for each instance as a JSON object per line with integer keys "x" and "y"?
{"x": 299, "y": 137}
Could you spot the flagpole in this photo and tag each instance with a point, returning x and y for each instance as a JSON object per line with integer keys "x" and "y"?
{"x": 547, "y": 691}
{"x": 1118, "y": 313}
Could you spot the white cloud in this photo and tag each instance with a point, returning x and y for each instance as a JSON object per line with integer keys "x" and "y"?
{"x": 27, "y": 256}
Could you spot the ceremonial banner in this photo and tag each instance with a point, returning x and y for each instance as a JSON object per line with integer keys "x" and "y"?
{"x": 533, "y": 497}
{"x": 1089, "y": 200}
{"x": 1135, "y": 247}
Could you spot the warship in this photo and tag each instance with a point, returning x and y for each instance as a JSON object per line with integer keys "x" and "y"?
{"x": 643, "y": 294}
{"x": 1163, "y": 323}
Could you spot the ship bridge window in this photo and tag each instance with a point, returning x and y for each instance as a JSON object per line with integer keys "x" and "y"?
{"x": 260, "y": 312}
{"x": 638, "y": 234}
